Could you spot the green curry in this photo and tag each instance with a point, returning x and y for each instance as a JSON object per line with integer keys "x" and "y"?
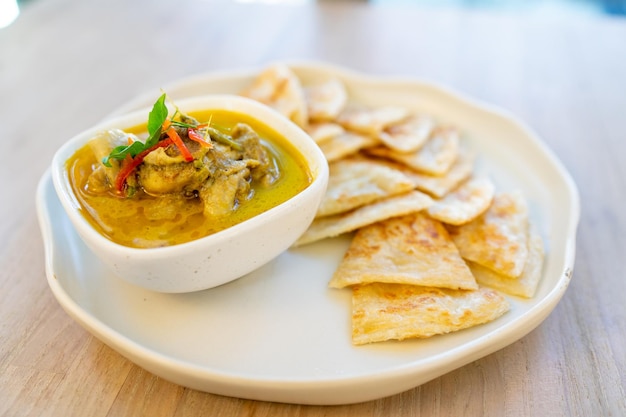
{"x": 176, "y": 179}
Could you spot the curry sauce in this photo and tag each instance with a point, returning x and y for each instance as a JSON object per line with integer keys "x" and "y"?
{"x": 223, "y": 187}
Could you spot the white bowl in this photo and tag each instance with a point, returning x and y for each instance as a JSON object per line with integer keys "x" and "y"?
{"x": 215, "y": 259}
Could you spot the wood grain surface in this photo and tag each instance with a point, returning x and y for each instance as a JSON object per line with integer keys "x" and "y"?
{"x": 65, "y": 64}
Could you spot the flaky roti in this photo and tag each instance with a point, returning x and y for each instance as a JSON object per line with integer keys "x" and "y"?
{"x": 409, "y": 135}
{"x": 355, "y": 182}
{"x": 465, "y": 203}
{"x": 498, "y": 239}
{"x": 278, "y": 87}
{"x": 323, "y": 131}
{"x": 383, "y": 312}
{"x": 526, "y": 284}
{"x": 385, "y": 208}
{"x": 433, "y": 246}
{"x": 439, "y": 185}
{"x": 372, "y": 121}
{"x": 413, "y": 249}
{"x": 325, "y": 101}
{"x": 345, "y": 144}
{"x": 436, "y": 157}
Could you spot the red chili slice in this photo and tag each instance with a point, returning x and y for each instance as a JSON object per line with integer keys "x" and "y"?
{"x": 195, "y": 136}
{"x": 129, "y": 164}
{"x": 184, "y": 151}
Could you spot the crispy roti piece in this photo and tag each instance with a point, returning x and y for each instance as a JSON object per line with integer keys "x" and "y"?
{"x": 498, "y": 239}
{"x": 409, "y": 135}
{"x": 413, "y": 249}
{"x": 278, "y": 87}
{"x": 383, "y": 312}
{"x": 346, "y": 144}
{"x": 465, "y": 203}
{"x": 439, "y": 185}
{"x": 331, "y": 226}
{"x": 436, "y": 157}
{"x": 372, "y": 121}
{"x": 323, "y": 131}
{"x": 354, "y": 182}
{"x": 526, "y": 284}
{"x": 327, "y": 100}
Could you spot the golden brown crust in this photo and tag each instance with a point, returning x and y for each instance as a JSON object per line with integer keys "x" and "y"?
{"x": 498, "y": 239}
{"x": 355, "y": 182}
{"x": 409, "y": 135}
{"x": 383, "y": 312}
{"x": 436, "y": 157}
{"x": 413, "y": 249}
{"x": 465, "y": 203}
{"x": 398, "y": 205}
{"x": 526, "y": 284}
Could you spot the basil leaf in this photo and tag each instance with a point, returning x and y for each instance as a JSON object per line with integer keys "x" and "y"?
{"x": 120, "y": 152}
{"x": 153, "y": 139}
{"x": 155, "y": 121}
{"x": 157, "y": 116}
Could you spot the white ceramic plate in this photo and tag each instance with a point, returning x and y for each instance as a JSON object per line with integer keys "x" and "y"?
{"x": 279, "y": 334}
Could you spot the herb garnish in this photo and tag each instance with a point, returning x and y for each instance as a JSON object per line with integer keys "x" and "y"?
{"x": 162, "y": 133}
{"x": 156, "y": 118}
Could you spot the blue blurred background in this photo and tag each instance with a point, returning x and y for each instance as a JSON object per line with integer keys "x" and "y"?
{"x": 9, "y": 9}
{"x": 607, "y": 7}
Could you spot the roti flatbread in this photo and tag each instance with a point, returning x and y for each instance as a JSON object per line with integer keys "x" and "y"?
{"x": 372, "y": 121}
{"x": 355, "y": 182}
{"x": 434, "y": 158}
{"x": 385, "y": 208}
{"x": 278, "y": 87}
{"x": 465, "y": 203}
{"x": 409, "y": 135}
{"x": 323, "y": 131}
{"x": 498, "y": 239}
{"x": 383, "y": 312}
{"x": 413, "y": 249}
{"x": 345, "y": 144}
{"x": 438, "y": 185}
{"x": 327, "y": 100}
{"x": 526, "y": 284}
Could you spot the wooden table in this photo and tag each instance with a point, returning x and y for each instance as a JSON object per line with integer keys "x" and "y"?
{"x": 65, "y": 64}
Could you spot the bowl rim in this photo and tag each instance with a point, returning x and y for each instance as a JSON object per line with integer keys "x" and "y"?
{"x": 305, "y": 145}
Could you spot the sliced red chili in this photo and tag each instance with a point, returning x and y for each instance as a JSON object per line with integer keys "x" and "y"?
{"x": 197, "y": 137}
{"x": 184, "y": 151}
{"x": 129, "y": 164}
